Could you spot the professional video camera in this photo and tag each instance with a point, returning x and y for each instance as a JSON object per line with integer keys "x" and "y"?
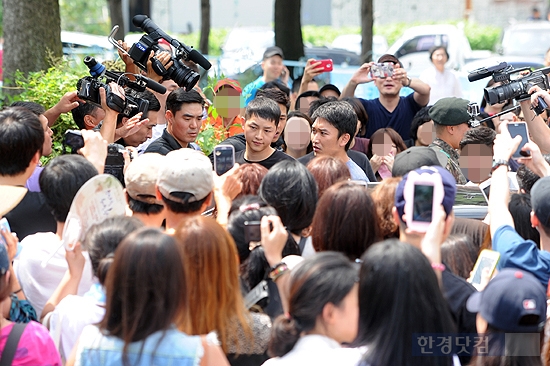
{"x": 88, "y": 89}
{"x": 141, "y": 50}
{"x": 509, "y": 89}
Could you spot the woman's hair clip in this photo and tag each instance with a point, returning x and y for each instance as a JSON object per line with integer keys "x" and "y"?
{"x": 250, "y": 207}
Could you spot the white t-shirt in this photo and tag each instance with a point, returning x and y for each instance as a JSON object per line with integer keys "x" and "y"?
{"x": 40, "y": 283}
{"x": 443, "y": 84}
{"x": 70, "y": 317}
{"x": 318, "y": 350}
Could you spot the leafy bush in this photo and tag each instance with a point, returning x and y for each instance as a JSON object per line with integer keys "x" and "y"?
{"x": 482, "y": 37}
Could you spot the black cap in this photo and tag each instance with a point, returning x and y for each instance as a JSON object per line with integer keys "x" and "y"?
{"x": 330, "y": 87}
{"x": 389, "y": 58}
{"x": 272, "y": 51}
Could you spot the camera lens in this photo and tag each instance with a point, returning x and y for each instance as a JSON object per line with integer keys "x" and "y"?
{"x": 183, "y": 76}
{"x": 500, "y": 94}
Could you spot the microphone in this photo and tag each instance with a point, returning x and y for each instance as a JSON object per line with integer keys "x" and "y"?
{"x": 151, "y": 84}
{"x": 148, "y": 26}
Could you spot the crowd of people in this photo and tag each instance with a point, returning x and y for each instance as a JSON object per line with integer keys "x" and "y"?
{"x": 332, "y": 239}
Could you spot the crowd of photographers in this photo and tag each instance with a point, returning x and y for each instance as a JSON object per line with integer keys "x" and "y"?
{"x": 321, "y": 230}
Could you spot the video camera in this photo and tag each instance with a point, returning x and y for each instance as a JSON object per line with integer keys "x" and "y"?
{"x": 88, "y": 89}
{"x": 141, "y": 50}
{"x": 509, "y": 89}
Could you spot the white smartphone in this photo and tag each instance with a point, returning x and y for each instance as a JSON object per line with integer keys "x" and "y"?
{"x": 224, "y": 158}
{"x": 423, "y": 195}
{"x": 487, "y": 259}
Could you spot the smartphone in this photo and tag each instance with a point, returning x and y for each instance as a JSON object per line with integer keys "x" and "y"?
{"x": 73, "y": 139}
{"x": 487, "y": 259}
{"x": 423, "y": 194}
{"x": 519, "y": 128}
{"x": 224, "y": 158}
{"x": 252, "y": 231}
{"x": 382, "y": 70}
{"x": 327, "y": 64}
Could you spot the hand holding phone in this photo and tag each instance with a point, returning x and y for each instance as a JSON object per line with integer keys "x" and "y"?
{"x": 423, "y": 194}
{"x": 487, "y": 260}
{"x": 381, "y": 70}
{"x": 326, "y": 64}
{"x": 519, "y": 129}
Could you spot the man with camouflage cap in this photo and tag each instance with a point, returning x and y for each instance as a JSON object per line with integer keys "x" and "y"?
{"x": 451, "y": 121}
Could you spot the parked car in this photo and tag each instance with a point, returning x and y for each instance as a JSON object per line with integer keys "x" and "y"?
{"x": 352, "y": 43}
{"x": 77, "y": 45}
{"x": 413, "y": 46}
{"x": 531, "y": 39}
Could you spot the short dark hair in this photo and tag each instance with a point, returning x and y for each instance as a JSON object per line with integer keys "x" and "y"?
{"x": 421, "y": 117}
{"x": 35, "y": 108}
{"x": 526, "y": 178}
{"x": 263, "y": 107}
{"x": 319, "y": 102}
{"x": 275, "y": 94}
{"x": 21, "y": 137}
{"x": 143, "y": 207}
{"x": 60, "y": 181}
{"x": 308, "y": 93}
{"x": 277, "y": 85}
{"x": 83, "y": 109}
{"x": 179, "y": 207}
{"x": 435, "y": 48}
{"x": 180, "y": 96}
{"x": 341, "y": 116}
{"x": 291, "y": 189}
{"x": 481, "y": 135}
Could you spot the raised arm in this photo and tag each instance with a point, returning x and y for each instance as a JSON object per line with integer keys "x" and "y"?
{"x": 361, "y": 76}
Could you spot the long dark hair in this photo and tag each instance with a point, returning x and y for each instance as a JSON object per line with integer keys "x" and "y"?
{"x": 399, "y": 295}
{"x": 145, "y": 287}
{"x": 324, "y": 278}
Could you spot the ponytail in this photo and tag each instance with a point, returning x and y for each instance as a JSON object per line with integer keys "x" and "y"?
{"x": 284, "y": 335}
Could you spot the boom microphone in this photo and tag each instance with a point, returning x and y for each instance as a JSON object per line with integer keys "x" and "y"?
{"x": 148, "y": 26}
{"x": 152, "y": 84}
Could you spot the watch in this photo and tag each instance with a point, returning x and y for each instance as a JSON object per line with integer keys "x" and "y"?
{"x": 497, "y": 163}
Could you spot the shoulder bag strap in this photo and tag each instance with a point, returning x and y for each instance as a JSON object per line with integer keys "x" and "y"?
{"x": 8, "y": 353}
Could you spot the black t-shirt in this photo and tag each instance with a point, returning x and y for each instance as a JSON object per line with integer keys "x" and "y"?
{"x": 273, "y": 159}
{"x": 32, "y": 215}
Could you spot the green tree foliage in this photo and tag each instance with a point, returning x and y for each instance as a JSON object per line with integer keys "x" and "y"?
{"x": 87, "y": 16}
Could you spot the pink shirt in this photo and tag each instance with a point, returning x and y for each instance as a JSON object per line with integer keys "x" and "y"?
{"x": 35, "y": 346}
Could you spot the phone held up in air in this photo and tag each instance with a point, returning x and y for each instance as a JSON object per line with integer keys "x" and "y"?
{"x": 252, "y": 231}
{"x": 327, "y": 65}
{"x": 224, "y": 158}
{"x": 519, "y": 128}
{"x": 487, "y": 259}
{"x": 423, "y": 195}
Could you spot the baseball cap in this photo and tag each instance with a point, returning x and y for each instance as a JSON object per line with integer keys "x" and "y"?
{"x": 540, "y": 199}
{"x": 141, "y": 177}
{"x": 229, "y": 82}
{"x": 330, "y": 87}
{"x": 450, "y": 111}
{"x": 413, "y": 158}
{"x": 10, "y": 196}
{"x": 449, "y": 187}
{"x": 185, "y": 171}
{"x": 389, "y": 58}
{"x": 508, "y": 298}
{"x": 272, "y": 51}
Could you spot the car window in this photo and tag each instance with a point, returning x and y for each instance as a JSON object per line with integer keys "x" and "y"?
{"x": 422, "y": 44}
{"x": 526, "y": 41}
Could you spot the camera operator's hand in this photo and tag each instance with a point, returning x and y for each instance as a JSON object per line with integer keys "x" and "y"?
{"x": 68, "y": 102}
{"x": 130, "y": 126}
{"x": 361, "y": 76}
{"x": 117, "y": 90}
{"x": 130, "y": 66}
{"x": 95, "y": 149}
{"x": 164, "y": 58}
{"x": 537, "y": 92}
{"x": 109, "y": 122}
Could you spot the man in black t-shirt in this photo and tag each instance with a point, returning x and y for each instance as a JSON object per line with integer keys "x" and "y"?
{"x": 261, "y": 121}
{"x": 21, "y": 143}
